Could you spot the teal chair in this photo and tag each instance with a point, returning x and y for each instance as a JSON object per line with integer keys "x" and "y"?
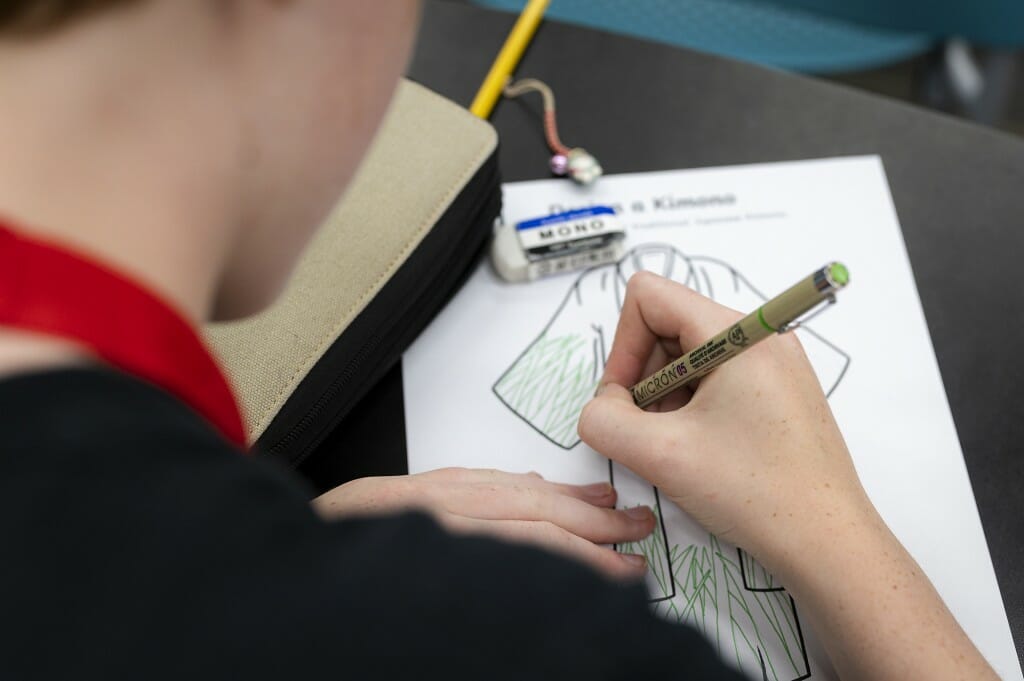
{"x": 832, "y": 36}
{"x": 748, "y": 30}
{"x": 992, "y": 23}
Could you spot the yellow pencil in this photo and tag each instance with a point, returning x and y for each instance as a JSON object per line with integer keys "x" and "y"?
{"x": 507, "y": 59}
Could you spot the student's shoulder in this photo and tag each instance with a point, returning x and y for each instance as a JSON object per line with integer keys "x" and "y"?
{"x": 101, "y": 436}
{"x": 97, "y": 415}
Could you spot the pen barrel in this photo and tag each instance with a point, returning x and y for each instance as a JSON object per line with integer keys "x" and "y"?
{"x": 775, "y": 316}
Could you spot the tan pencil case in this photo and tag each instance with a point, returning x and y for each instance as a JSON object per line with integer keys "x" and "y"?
{"x": 391, "y": 254}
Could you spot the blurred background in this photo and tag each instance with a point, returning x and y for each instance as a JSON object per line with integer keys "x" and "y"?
{"x": 962, "y": 57}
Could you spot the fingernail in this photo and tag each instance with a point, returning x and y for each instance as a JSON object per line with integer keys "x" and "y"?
{"x": 597, "y": 490}
{"x": 638, "y": 512}
{"x": 634, "y": 560}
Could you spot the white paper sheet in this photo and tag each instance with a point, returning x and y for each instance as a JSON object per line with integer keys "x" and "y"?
{"x": 498, "y": 379}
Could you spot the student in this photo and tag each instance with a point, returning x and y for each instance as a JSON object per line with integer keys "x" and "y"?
{"x": 163, "y": 162}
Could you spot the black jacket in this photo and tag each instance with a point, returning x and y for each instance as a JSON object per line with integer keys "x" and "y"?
{"x": 136, "y": 544}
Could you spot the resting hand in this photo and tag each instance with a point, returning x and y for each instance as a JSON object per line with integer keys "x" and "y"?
{"x": 567, "y": 519}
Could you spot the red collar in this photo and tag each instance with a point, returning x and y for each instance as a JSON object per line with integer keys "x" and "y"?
{"x": 49, "y": 289}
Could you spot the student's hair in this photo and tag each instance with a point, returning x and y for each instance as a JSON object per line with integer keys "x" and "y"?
{"x": 32, "y": 17}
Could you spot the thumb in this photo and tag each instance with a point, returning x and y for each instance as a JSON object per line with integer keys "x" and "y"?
{"x": 613, "y": 425}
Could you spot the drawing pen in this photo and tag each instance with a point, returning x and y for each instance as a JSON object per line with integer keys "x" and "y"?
{"x": 778, "y": 315}
{"x": 508, "y": 57}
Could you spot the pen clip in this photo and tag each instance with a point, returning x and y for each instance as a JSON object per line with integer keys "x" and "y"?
{"x": 811, "y": 314}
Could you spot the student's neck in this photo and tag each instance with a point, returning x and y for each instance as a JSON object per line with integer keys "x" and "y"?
{"x": 115, "y": 143}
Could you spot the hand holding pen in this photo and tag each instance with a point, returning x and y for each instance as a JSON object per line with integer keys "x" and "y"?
{"x": 753, "y": 453}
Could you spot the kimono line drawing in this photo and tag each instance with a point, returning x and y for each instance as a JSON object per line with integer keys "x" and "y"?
{"x": 696, "y": 578}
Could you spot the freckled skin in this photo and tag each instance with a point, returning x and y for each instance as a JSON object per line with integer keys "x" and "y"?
{"x": 774, "y": 476}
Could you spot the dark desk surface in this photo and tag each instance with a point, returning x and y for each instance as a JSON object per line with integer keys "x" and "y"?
{"x": 958, "y": 189}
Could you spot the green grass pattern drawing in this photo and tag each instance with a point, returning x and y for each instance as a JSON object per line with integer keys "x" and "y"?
{"x": 550, "y": 384}
{"x": 749, "y": 627}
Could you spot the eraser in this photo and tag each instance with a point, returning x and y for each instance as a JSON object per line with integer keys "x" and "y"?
{"x": 562, "y": 242}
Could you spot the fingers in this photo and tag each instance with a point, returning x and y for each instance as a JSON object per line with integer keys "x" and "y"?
{"x": 647, "y": 443}
{"x": 366, "y": 496}
{"x": 614, "y": 426}
{"x": 666, "y": 351}
{"x": 487, "y": 501}
{"x": 553, "y": 538}
{"x": 585, "y": 510}
{"x": 656, "y": 308}
{"x": 522, "y": 506}
{"x": 598, "y": 494}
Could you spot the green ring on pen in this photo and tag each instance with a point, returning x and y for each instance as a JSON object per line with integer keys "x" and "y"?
{"x": 760, "y": 318}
